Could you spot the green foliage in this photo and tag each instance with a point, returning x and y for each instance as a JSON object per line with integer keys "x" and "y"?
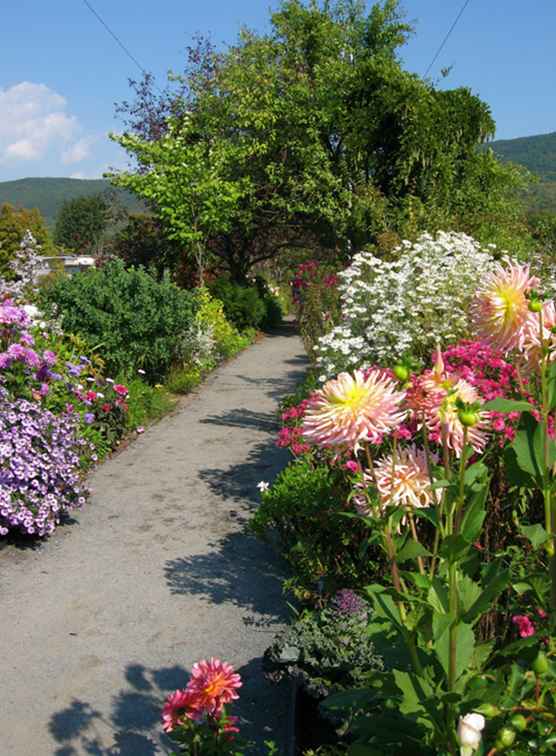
{"x": 82, "y": 222}
{"x": 49, "y": 194}
{"x": 228, "y": 340}
{"x": 142, "y": 243}
{"x": 146, "y": 403}
{"x": 14, "y": 223}
{"x": 185, "y": 379}
{"x": 243, "y": 305}
{"x": 314, "y": 136}
{"x": 303, "y": 507}
{"x": 133, "y": 320}
{"x": 326, "y": 650}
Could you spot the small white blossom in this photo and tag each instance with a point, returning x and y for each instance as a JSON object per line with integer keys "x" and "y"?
{"x": 470, "y": 729}
{"x": 263, "y": 486}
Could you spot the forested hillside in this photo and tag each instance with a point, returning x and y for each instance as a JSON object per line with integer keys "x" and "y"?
{"x": 537, "y": 154}
{"x": 49, "y": 194}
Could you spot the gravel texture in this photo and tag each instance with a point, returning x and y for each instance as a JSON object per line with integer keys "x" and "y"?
{"x": 107, "y": 617}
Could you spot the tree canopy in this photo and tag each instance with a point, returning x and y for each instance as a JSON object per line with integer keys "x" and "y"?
{"x": 312, "y": 135}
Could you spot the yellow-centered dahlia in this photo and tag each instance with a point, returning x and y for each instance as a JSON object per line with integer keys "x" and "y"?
{"x": 500, "y": 306}
{"x": 530, "y": 335}
{"x": 352, "y": 408}
{"x": 405, "y": 480}
{"x": 443, "y": 421}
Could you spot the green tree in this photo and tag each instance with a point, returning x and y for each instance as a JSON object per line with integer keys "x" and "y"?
{"x": 14, "y": 223}
{"x": 81, "y": 223}
{"x": 313, "y": 136}
{"x": 142, "y": 242}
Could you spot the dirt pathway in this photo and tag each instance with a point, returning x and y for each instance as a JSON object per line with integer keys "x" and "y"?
{"x": 101, "y": 622}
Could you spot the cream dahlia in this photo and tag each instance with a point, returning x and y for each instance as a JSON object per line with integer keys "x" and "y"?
{"x": 500, "y": 306}
{"x": 405, "y": 481}
{"x": 349, "y": 409}
{"x": 442, "y": 417}
{"x": 529, "y": 335}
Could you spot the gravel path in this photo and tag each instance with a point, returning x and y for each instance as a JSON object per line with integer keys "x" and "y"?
{"x": 101, "y": 622}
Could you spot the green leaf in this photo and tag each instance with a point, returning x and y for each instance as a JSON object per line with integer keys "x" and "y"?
{"x": 507, "y": 405}
{"x": 438, "y": 596}
{"x": 454, "y": 547}
{"x": 536, "y": 534}
{"x": 469, "y": 591}
{"x": 552, "y": 386}
{"x": 417, "y": 693}
{"x": 529, "y": 449}
{"x": 515, "y": 475}
{"x": 475, "y": 513}
{"x": 465, "y": 644}
{"x": 412, "y": 550}
{"x": 495, "y": 580}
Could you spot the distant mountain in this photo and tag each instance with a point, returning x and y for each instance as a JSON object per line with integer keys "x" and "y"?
{"x": 538, "y": 154}
{"x": 49, "y": 194}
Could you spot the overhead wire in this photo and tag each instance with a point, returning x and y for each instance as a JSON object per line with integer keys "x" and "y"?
{"x": 115, "y": 37}
{"x": 450, "y": 30}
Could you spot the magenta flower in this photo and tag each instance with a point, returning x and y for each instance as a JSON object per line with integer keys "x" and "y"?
{"x": 524, "y": 625}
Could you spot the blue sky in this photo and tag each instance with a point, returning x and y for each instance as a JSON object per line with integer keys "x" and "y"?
{"x": 61, "y": 73}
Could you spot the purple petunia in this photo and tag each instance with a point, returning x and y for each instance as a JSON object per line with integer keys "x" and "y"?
{"x": 39, "y": 467}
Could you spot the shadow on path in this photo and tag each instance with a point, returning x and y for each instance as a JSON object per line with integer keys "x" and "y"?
{"x": 135, "y": 714}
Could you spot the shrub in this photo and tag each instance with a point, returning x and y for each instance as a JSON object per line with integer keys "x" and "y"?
{"x": 404, "y": 307}
{"x": 243, "y": 305}
{"x": 210, "y": 313}
{"x": 132, "y": 319}
{"x": 303, "y": 506}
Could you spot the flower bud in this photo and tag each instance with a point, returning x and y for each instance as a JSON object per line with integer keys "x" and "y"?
{"x": 540, "y": 665}
{"x": 468, "y": 418}
{"x": 470, "y": 728}
{"x": 549, "y": 548}
{"x": 519, "y": 722}
{"x": 489, "y": 710}
{"x": 401, "y": 372}
{"x": 535, "y": 305}
{"x": 506, "y": 737}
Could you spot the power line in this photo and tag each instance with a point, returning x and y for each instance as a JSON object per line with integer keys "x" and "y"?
{"x": 450, "y": 30}
{"x": 118, "y": 40}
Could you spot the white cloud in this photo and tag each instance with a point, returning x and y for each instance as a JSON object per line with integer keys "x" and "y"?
{"x": 78, "y": 151}
{"x": 34, "y": 122}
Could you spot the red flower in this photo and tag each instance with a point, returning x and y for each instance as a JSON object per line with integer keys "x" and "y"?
{"x": 121, "y": 390}
{"x": 91, "y": 396}
{"x": 106, "y": 407}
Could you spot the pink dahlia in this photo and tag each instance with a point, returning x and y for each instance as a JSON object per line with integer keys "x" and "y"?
{"x": 500, "y": 307}
{"x": 363, "y": 406}
{"x": 529, "y": 335}
{"x": 405, "y": 481}
{"x": 214, "y": 683}
{"x": 179, "y": 705}
{"x": 442, "y": 417}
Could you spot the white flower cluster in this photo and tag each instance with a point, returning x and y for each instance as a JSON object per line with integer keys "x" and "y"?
{"x": 26, "y": 266}
{"x": 196, "y": 345}
{"x": 405, "y": 306}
